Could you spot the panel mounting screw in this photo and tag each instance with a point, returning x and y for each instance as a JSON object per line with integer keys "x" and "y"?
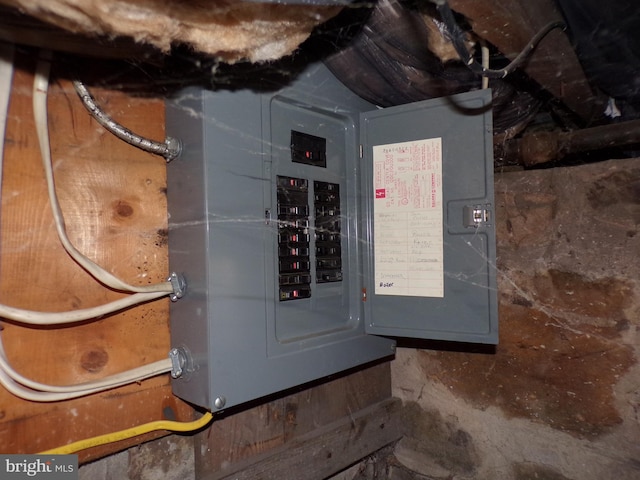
{"x": 219, "y": 402}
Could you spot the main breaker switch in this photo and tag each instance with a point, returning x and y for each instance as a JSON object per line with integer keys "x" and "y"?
{"x": 308, "y": 149}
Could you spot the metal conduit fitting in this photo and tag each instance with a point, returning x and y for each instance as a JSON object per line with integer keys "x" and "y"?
{"x": 169, "y": 149}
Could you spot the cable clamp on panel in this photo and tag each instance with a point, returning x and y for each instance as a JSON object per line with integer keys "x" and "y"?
{"x": 178, "y": 362}
{"x": 182, "y": 364}
{"x": 174, "y": 148}
{"x": 179, "y": 286}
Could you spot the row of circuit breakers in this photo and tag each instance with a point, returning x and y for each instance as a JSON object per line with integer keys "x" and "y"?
{"x": 312, "y": 229}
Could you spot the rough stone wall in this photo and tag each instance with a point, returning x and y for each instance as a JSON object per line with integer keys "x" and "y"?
{"x": 560, "y": 397}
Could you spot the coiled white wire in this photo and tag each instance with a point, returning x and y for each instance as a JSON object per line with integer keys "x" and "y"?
{"x": 40, "y": 89}
{"x": 13, "y": 381}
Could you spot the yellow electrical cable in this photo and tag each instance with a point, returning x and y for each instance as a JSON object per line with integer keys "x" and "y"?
{"x": 132, "y": 432}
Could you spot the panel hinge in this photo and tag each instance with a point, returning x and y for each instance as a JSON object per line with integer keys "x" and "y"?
{"x": 361, "y": 151}
{"x": 476, "y": 215}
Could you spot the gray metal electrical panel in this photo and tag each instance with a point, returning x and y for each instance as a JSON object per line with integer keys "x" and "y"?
{"x": 310, "y": 227}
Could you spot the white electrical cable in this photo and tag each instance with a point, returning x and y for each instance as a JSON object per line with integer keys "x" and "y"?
{"x": 40, "y": 89}
{"x": 37, "y": 396}
{"x": 27, "y": 394}
{"x": 59, "y": 318}
{"x": 28, "y": 389}
{"x": 117, "y": 380}
{"x": 145, "y": 294}
{"x": 6, "y": 77}
{"x": 112, "y": 381}
{"x": 485, "y": 63}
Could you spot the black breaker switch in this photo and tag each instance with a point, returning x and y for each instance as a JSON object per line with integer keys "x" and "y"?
{"x": 294, "y": 266}
{"x": 327, "y": 232}
{"x": 308, "y": 149}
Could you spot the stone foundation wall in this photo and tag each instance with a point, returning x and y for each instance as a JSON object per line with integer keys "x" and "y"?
{"x": 560, "y": 397}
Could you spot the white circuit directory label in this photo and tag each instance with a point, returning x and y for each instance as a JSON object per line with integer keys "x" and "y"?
{"x": 408, "y": 235}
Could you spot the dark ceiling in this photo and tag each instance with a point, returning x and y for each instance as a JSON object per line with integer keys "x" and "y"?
{"x": 585, "y": 75}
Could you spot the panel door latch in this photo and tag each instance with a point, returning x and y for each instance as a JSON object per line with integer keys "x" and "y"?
{"x": 476, "y": 215}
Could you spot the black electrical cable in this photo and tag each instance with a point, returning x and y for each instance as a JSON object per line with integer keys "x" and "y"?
{"x": 457, "y": 38}
{"x": 169, "y": 149}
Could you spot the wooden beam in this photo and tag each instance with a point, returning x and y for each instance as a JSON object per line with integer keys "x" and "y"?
{"x": 237, "y": 439}
{"x": 327, "y": 450}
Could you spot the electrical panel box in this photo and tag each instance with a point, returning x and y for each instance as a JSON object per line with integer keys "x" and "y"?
{"x": 312, "y": 228}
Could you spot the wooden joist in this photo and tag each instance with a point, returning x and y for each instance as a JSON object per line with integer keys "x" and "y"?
{"x": 328, "y": 450}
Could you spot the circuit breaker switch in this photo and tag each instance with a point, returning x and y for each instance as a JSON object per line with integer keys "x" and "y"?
{"x": 328, "y": 238}
{"x": 294, "y": 266}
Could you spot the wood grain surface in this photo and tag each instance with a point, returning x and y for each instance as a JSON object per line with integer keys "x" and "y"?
{"x": 266, "y": 437}
{"x": 114, "y": 202}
